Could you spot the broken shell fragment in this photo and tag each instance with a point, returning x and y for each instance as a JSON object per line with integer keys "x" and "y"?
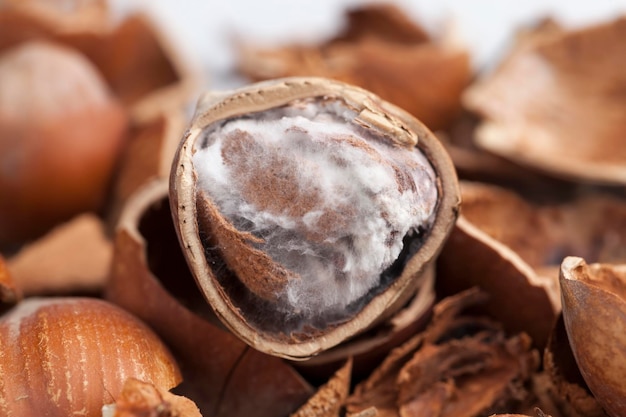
{"x": 72, "y": 16}
{"x": 511, "y": 247}
{"x": 147, "y": 155}
{"x": 331, "y": 397}
{"x": 380, "y": 49}
{"x": 553, "y": 104}
{"x": 461, "y": 365}
{"x": 594, "y": 311}
{"x": 140, "y": 399}
{"x": 307, "y": 208}
{"x": 73, "y": 257}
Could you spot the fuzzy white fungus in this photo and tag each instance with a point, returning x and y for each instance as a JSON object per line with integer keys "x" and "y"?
{"x": 331, "y": 200}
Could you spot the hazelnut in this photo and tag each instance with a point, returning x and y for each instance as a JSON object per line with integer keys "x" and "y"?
{"x": 70, "y": 356}
{"x": 307, "y": 208}
{"x": 60, "y": 133}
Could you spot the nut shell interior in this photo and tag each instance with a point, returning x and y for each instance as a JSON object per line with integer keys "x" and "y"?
{"x": 188, "y": 206}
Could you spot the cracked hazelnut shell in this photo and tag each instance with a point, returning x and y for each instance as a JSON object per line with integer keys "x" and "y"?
{"x": 553, "y": 103}
{"x": 594, "y": 312}
{"x": 234, "y": 275}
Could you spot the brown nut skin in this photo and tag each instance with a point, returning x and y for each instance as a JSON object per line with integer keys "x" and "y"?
{"x": 394, "y": 122}
{"x": 594, "y": 311}
{"x": 60, "y": 134}
{"x": 65, "y": 356}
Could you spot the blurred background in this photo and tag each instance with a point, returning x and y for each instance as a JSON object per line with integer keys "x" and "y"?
{"x": 206, "y": 30}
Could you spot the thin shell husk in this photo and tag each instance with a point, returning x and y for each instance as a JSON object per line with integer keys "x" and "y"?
{"x": 395, "y": 123}
{"x": 147, "y": 155}
{"x": 594, "y": 311}
{"x": 73, "y": 257}
{"x": 69, "y": 16}
{"x": 554, "y": 104}
{"x": 380, "y": 49}
{"x": 331, "y": 397}
{"x": 461, "y": 365}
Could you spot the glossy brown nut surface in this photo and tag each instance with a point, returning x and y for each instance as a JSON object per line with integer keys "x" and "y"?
{"x": 68, "y": 356}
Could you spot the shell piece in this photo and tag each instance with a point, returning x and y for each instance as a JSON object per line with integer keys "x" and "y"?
{"x": 594, "y": 311}
{"x": 381, "y": 50}
{"x": 148, "y": 154}
{"x": 73, "y": 257}
{"x": 72, "y": 16}
{"x": 552, "y": 104}
{"x": 511, "y": 247}
{"x": 460, "y": 366}
{"x": 139, "y": 399}
{"x": 63, "y": 356}
{"x": 150, "y": 278}
{"x": 246, "y": 282}
{"x": 330, "y": 397}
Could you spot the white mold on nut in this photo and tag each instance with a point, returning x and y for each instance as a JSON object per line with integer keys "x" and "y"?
{"x": 327, "y": 199}
{"x": 309, "y": 210}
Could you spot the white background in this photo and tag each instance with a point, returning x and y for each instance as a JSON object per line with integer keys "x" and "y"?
{"x": 205, "y": 29}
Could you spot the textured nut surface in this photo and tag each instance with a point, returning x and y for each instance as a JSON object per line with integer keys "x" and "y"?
{"x": 552, "y": 104}
{"x": 69, "y": 356}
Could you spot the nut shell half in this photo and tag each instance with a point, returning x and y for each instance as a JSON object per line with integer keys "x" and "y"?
{"x": 594, "y": 311}
{"x": 389, "y": 122}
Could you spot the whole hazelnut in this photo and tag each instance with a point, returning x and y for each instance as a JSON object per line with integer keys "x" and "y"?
{"x": 60, "y": 134}
{"x": 70, "y": 356}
